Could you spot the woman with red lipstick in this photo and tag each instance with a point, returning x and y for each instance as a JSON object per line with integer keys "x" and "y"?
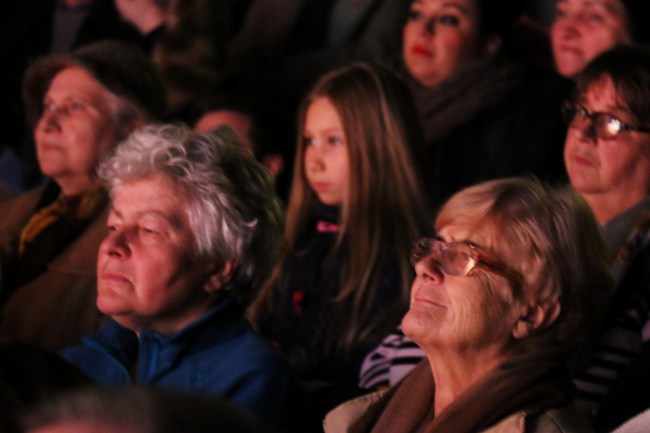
{"x": 607, "y": 155}
{"x": 483, "y": 109}
{"x": 355, "y": 206}
{"x": 516, "y": 276}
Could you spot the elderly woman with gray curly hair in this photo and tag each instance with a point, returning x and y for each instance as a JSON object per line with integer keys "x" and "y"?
{"x": 193, "y": 221}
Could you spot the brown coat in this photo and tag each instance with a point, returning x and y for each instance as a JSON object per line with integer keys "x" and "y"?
{"x": 57, "y": 308}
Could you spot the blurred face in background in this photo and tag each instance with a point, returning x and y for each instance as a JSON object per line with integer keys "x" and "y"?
{"x": 439, "y": 37}
{"x": 582, "y": 29}
{"x": 77, "y": 127}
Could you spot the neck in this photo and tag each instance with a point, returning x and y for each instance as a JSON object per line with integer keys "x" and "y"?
{"x": 455, "y": 372}
{"x": 608, "y": 206}
{"x": 73, "y": 185}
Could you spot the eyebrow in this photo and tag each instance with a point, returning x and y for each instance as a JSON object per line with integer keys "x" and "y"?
{"x": 173, "y": 221}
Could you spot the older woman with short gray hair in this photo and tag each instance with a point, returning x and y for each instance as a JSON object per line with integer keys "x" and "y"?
{"x": 193, "y": 223}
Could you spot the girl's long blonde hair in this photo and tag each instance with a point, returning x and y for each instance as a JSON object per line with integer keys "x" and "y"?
{"x": 384, "y": 211}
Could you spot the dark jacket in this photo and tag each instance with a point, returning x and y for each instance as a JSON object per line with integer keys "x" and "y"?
{"x": 219, "y": 354}
{"x": 56, "y": 308}
{"x": 307, "y": 322}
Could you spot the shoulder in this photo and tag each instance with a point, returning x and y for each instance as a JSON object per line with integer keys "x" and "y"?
{"x": 236, "y": 350}
{"x": 566, "y": 419}
{"x": 355, "y": 415}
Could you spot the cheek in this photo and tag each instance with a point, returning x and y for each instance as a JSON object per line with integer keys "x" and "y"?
{"x": 601, "y": 40}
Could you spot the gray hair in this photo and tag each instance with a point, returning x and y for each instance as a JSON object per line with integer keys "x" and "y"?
{"x": 233, "y": 210}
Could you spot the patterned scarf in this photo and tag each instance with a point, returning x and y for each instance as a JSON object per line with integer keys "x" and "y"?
{"x": 76, "y": 208}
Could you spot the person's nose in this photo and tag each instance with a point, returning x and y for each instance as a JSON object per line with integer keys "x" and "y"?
{"x": 429, "y": 268}
{"x": 116, "y": 244}
{"x": 314, "y": 159}
{"x": 568, "y": 27}
{"x": 50, "y": 119}
{"x": 585, "y": 130}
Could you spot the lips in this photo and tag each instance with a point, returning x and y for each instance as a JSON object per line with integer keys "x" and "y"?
{"x": 319, "y": 186}
{"x": 568, "y": 49}
{"x": 421, "y": 50}
{"x": 48, "y": 147}
{"x": 583, "y": 160}
{"x": 113, "y": 277}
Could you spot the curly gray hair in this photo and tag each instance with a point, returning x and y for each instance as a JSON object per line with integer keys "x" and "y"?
{"x": 234, "y": 211}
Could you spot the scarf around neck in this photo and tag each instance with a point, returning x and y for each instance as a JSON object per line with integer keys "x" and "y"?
{"x": 530, "y": 383}
{"x": 481, "y": 84}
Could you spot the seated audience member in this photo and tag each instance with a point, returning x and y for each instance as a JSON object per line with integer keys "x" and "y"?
{"x": 582, "y": 29}
{"x": 515, "y": 277}
{"x": 81, "y": 105}
{"x": 136, "y": 409}
{"x": 607, "y": 155}
{"x": 260, "y": 126}
{"x": 342, "y": 279}
{"x": 29, "y": 376}
{"x": 484, "y": 109}
{"x": 192, "y": 228}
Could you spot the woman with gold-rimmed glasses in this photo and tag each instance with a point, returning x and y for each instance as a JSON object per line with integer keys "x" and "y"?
{"x": 514, "y": 278}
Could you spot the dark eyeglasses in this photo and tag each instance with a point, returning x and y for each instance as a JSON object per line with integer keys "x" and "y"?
{"x": 605, "y": 126}
{"x": 458, "y": 258}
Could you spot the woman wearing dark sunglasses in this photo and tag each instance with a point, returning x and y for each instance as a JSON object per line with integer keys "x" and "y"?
{"x": 516, "y": 276}
{"x": 607, "y": 156}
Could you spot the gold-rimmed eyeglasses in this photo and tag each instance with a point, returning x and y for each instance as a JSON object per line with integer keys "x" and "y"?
{"x": 459, "y": 258}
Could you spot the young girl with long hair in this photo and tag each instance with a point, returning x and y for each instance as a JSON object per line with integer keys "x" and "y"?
{"x": 355, "y": 207}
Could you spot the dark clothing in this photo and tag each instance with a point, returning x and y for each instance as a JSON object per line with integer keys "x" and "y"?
{"x": 492, "y": 119}
{"x": 610, "y": 372}
{"x": 309, "y": 321}
{"x": 56, "y": 307}
{"x": 219, "y": 354}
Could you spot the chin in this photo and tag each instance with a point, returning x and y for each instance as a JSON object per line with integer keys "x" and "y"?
{"x": 416, "y": 325}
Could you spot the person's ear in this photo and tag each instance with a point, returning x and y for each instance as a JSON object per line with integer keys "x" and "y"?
{"x": 535, "y": 318}
{"x": 220, "y": 277}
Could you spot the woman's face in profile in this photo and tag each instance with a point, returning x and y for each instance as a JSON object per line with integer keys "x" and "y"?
{"x": 582, "y": 29}
{"x": 75, "y": 130}
{"x": 439, "y": 37}
{"x": 472, "y": 312}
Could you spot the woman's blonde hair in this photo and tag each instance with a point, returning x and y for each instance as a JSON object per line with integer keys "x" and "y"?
{"x": 385, "y": 208}
{"x": 552, "y": 238}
